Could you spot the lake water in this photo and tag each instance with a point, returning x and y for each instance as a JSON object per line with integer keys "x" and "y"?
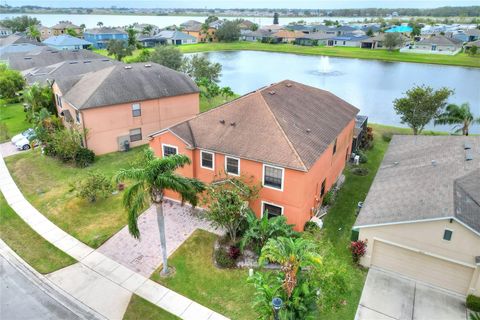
{"x": 369, "y": 85}
{"x": 90, "y": 20}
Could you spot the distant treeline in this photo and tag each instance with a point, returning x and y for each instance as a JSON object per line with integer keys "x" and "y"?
{"x": 470, "y": 11}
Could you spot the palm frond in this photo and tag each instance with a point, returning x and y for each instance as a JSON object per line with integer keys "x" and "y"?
{"x": 135, "y": 201}
{"x": 136, "y": 174}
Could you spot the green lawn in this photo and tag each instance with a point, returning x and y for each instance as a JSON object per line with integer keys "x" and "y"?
{"x": 225, "y": 291}
{"x": 49, "y": 185}
{"x": 141, "y": 309}
{"x": 36, "y": 251}
{"x": 460, "y": 59}
{"x": 13, "y": 117}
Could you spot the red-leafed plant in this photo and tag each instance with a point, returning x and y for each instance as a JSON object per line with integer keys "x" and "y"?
{"x": 358, "y": 249}
{"x": 234, "y": 252}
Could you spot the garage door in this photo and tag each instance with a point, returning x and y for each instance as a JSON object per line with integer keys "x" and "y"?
{"x": 435, "y": 271}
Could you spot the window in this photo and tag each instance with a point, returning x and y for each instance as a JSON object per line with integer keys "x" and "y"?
{"x": 206, "y": 160}
{"x": 135, "y": 135}
{"x": 77, "y": 116}
{"x": 322, "y": 189}
{"x": 271, "y": 210}
{"x": 168, "y": 150}
{"x": 335, "y": 146}
{"x": 272, "y": 177}
{"x": 59, "y": 100}
{"x": 232, "y": 166}
{"x": 136, "y": 111}
{"x": 447, "y": 235}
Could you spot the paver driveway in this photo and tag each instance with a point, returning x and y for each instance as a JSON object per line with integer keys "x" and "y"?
{"x": 8, "y": 149}
{"x": 144, "y": 255}
{"x": 388, "y": 296}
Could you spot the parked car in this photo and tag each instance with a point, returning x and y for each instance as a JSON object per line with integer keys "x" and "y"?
{"x": 27, "y": 134}
{"x": 26, "y": 142}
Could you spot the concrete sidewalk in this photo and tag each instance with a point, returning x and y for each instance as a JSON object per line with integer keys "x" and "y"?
{"x": 98, "y": 281}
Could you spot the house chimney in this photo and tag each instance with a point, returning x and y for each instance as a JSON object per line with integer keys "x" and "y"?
{"x": 222, "y": 121}
{"x": 232, "y": 124}
{"x": 272, "y": 92}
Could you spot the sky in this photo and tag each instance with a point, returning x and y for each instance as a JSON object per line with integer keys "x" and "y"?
{"x": 307, "y": 4}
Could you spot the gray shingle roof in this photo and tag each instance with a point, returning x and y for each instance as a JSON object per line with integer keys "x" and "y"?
{"x": 105, "y": 30}
{"x": 127, "y": 83}
{"x": 410, "y": 187}
{"x": 65, "y": 40}
{"x": 291, "y": 124}
{"x": 440, "y": 40}
{"x": 467, "y": 199}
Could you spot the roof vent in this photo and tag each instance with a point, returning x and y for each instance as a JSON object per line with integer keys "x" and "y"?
{"x": 128, "y": 67}
{"x": 396, "y": 163}
{"x": 105, "y": 60}
{"x": 308, "y": 130}
{"x": 222, "y": 121}
{"x": 87, "y": 61}
{"x": 288, "y": 85}
{"x": 434, "y": 163}
{"x": 468, "y": 155}
{"x": 272, "y": 92}
{"x": 27, "y": 58}
{"x": 73, "y": 62}
{"x": 467, "y": 145}
{"x": 232, "y": 124}
{"x": 148, "y": 65}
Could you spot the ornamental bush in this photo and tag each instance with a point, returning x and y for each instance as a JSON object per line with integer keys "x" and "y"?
{"x": 223, "y": 259}
{"x": 84, "y": 157}
{"x": 387, "y": 136}
{"x": 473, "y": 303}
{"x": 358, "y": 249}
{"x": 95, "y": 185}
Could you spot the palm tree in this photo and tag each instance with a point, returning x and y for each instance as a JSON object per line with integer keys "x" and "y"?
{"x": 150, "y": 180}
{"x": 71, "y": 32}
{"x": 459, "y": 115}
{"x": 33, "y": 32}
{"x": 293, "y": 254}
{"x": 99, "y": 24}
{"x": 132, "y": 38}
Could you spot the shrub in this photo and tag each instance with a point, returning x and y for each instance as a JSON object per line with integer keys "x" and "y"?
{"x": 234, "y": 252}
{"x": 358, "y": 249}
{"x": 311, "y": 226}
{"x": 367, "y": 139}
{"x": 95, "y": 185}
{"x": 328, "y": 198}
{"x": 387, "y": 136}
{"x": 473, "y": 303}
{"x": 359, "y": 171}
{"x": 84, "y": 157}
{"x": 223, "y": 259}
{"x": 362, "y": 156}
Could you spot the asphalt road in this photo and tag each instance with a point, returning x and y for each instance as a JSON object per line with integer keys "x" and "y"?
{"x": 21, "y": 299}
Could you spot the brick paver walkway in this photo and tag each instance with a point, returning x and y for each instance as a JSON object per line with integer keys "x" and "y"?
{"x": 144, "y": 255}
{"x": 97, "y": 280}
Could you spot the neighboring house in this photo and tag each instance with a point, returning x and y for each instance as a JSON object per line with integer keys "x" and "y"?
{"x": 259, "y": 35}
{"x": 374, "y": 28}
{"x": 173, "y": 37}
{"x": 195, "y": 29}
{"x": 66, "y": 42}
{"x": 62, "y": 27}
{"x": 141, "y": 29}
{"x": 47, "y": 74}
{"x": 246, "y": 25}
{"x": 438, "y": 43}
{"x": 5, "y": 32}
{"x": 314, "y": 39}
{"x": 292, "y": 138}
{"x": 421, "y": 217}
{"x": 286, "y": 36}
{"x": 272, "y": 28}
{"x": 469, "y": 45}
{"x": 347, "y": 40}
{"x": 472, "y": 35}
{"x": 45, "y": 56}
{"x": 45, "y": 32}
{"x": 100, "y": 37}
{"x": 125, "y": 103}
{"x": 344, "y": 30}
{"x": 377, "y": 42}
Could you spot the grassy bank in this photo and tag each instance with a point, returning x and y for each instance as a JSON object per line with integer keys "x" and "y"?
{"x": 460, "y": 59}
{"x": 50, "y": 186}
{"x": 225, "y": 291}
{"x": 13, "y": 118}
{"x": 36, "y": 251}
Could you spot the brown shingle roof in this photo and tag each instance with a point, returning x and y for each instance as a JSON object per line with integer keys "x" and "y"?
{"x": 288, "y": 124}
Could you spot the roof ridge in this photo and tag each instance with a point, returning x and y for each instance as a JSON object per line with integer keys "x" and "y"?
{"x": 281, "y": 129}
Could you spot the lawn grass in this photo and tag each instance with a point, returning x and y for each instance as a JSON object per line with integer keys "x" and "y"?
{"x": 460, "y": 59}
{"x": 35, "y": 250}
{"x": 50, "y": 186}
{"x": 223, "y": 290}
{"x": 13, "y": 117}
{"x": 141, "y": 309}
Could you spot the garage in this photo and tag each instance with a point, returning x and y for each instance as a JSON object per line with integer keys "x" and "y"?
{"x": 422, "y": 267}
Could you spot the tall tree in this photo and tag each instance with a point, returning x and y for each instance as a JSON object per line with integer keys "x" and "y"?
{"x": 71, "y": 32}
{"x": 19, "y": 24}
{"x": 33, "y": 32}
{"x": 275, "y": 18}
{"x": 11, "y": 82}
{"x": 198, "y": 67}
{"x": 392, "y": 40}
{"x": 228, "y": 31}
{"x": 421, "y": 105}
{"x": 168, "y": 56}
{"x": 459, "y": 115}
{"x": 132, "y": 38}
{"x": 211, "y": 19}
{"x": 38, "y": 97}
{"x": 150, "y": 180}
{"x": 119, "y": 49}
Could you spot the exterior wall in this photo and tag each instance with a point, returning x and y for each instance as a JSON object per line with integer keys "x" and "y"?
{"x": 428, "y": 47}
{"x": 99, "y": 40}
{"x": 57, "y": 32}
{"x": 301, "y": 190}
{"x": 74, "y": 47}
{"x": 201, "y": 37}
{"x": 106, "y": 124}
{"x": 428, "y": 237}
